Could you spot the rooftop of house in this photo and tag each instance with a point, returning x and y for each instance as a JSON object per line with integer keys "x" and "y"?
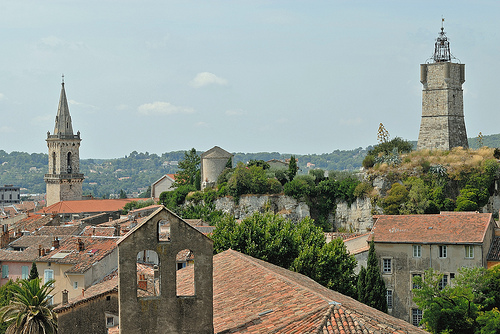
{"x": 494, "y": 252}
{"x": 253, "y": 296}
{"x": 357, "y": 244}
{"x": 91, "y": 205}
{"x": 75, "y": 229}
{"x": 26, "y": 248}
{"x": 450, "y": 228}
{"x": 99, "y": 231}
{"x": 81, "y": 252}
{"x": 29, "y": 224}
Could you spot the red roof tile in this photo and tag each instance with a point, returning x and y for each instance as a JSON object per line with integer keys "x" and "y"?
{"x": 91, "y": 205}
{"x": 439, "y": 228}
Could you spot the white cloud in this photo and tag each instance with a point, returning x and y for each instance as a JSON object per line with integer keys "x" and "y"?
{"x": 235, "y": 112}
{"x": 1, "y": 96}
{"x": 201, "y": 125}
{"x": 7, "y": 129}
{"x": 76, "y": 103}
{"x": 163, "y": 108}
{"x": 207, "y": 78}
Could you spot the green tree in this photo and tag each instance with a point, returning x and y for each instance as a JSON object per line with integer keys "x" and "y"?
{"x": 449, "y": 309}
{"x": 292, "y": 168}
{"x": 188, "y": 168}
{"x": 123, "y": 194}
{"x": 30, "y": 310}
{"x": 373, "y": 291}
{"x": 396, "y": 197}
{"x": 300, "y": 247}
{"x": 33, "y": 272}
{"x": 5, "y": 298}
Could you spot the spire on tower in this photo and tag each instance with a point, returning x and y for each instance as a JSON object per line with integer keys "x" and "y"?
{"x": 442, "y": 47}
{"x": 63, "y": 126}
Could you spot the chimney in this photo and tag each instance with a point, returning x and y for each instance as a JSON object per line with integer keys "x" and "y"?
{"x": 43, "y": 251}
{"x": 81, "y": 245}
{"x": 110, "y": 218}
{"x": 4, "y": 241}
{"x": 64, "y": 297}
{"x": 39, "y": 250}
{"x": 142, "y": 283}
{"x": 83, "y": 292}
{"x": 117, "y": 230}
{"x": 55, "y": 243}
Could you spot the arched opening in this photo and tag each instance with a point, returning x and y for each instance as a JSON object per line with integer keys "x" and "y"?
{"x": 148, "y": 274}
{"x": 53, "y": 162}
{"x": 68, "y": 163}
{"x": 164, "y": 230}
{"x": 185, "y": 263}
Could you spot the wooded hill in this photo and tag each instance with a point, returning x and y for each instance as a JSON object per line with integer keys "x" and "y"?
{"x": 135, "y": 172}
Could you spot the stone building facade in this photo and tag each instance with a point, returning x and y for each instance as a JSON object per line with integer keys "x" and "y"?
{"x": 64, "y": 180}
{"x": 213, "y": 163}
{"x": 406, "y": 246}
{"x": 166, "y": 309}
{"x": 442, "y": 126}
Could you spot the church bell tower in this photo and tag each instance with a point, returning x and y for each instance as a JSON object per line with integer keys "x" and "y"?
{"x": 442, "y": 126}
{"x": 64, "y": 180}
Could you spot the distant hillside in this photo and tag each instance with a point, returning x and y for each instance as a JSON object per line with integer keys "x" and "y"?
{"x": 135, "y": 172}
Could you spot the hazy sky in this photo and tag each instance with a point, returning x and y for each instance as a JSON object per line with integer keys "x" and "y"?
{"x": 248, "y": 76}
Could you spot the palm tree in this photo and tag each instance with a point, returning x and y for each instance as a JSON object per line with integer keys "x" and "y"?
{"x": 30, "y": 310}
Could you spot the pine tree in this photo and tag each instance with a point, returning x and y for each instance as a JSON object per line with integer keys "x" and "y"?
{"x": 292, "y": 168}
{"x": 361, "y": 287}
{"x": 375, "y": 295}
{"x": 33, "y": 272}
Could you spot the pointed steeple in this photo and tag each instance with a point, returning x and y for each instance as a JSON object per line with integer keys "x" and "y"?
{"x": 63, "y": 125}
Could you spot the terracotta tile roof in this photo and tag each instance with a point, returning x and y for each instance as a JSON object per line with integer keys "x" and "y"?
{"x": 26, "y": 206}
{"x": 357, "y": 244}
{"x": 253, "y": 296}
{"x": 59, "y": 230}
{"x": 447, "y": 228}
{"x": 494, "y": 253}
{"x": 30, "y": 244}
{"x": 29, "y": 224}
{"x": 107, "y": 285}
{"x": 91, "y": 205}
{"x": 100, "y": 231}
{"x": 245, "y": 287}
{"x": 94, "y": 250}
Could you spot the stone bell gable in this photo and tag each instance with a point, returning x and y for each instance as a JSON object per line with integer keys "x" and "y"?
{"x": 157, "y": 305}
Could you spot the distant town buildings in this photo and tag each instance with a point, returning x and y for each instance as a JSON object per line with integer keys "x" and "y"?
{"x": 9, "y": 195}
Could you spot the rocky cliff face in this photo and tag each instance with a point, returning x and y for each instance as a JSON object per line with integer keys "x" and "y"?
{"x": 284, "y": 205}
{"x": 356, "y": 218}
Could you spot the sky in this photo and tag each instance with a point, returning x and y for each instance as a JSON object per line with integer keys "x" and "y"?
{"x": 298, "y": 77}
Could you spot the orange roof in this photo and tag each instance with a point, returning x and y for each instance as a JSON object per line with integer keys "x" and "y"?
{"x": 254, "y": 296}
{"x": 438, "y": 228}
{"x": 91, "y": 205}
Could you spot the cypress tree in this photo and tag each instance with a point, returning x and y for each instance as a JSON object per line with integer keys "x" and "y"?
{"x": 33, "y": 272}
{"x": 361, "y": 287}
{"x": 375, "y": 295}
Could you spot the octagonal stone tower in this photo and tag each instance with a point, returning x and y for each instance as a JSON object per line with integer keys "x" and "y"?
{"x": 443, "y": 125}
{"x": 64, "y": 180}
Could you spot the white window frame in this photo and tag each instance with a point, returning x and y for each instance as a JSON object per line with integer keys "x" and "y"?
{"x": 413, "y": 285}
{"x": 417, "y": 250}
{"x": 48, "y": 274}
{"x": 25, "y": 272}
{"x": 416, "y": 316}
{"x": 389, "y": 298}
{"x": 443, "y": 251}
{"x": 387, "y": 269}
{"x": 444, "y": 282}
{"x": 5, "y": 271}
{"x": 469, "y": 251}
